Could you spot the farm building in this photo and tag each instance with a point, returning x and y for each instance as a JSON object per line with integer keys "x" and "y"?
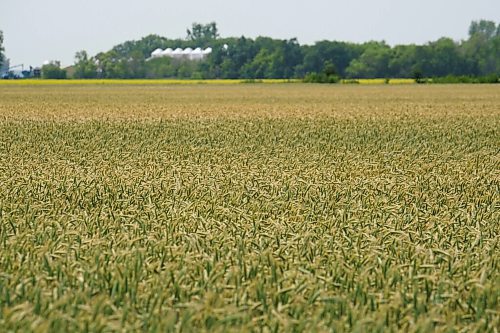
{"x": 178, "y": 53}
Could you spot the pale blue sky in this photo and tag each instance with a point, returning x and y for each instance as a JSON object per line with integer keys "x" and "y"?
{"x": 37, "y": 30}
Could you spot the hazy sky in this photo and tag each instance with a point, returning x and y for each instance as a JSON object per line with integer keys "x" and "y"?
{"x": 38, "y": 30}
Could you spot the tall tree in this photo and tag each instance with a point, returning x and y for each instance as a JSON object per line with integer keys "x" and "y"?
{"x": 483, "y": 27}
{"x": 85, "y": 67}
{"x": 2, "y": 57}
{"x": 482, "y": 48}
{"x": 445, "y": 59}
{"x": 203, "y": 32}
{"x": 403, "y": 62}
{"x": 340, "y": 54}
{"x": 374, "y": 62}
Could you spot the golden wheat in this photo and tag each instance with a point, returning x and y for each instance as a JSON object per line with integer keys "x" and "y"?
{"x": 249, "y": 208}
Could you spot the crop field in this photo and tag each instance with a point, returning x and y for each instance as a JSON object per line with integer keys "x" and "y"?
{"x": 265, "y": 208}
{"x": 136, "y": 82}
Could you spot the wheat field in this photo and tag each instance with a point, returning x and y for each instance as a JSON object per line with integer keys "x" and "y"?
{"x": 265, "y": 208}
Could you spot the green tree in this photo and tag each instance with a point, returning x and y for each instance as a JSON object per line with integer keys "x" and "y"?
{"x": 327, "y": 75}
{"x": 233, "y": 62}
{"x": 85, "y": 67}
{"x": 274, "y": 59}
{"x": 329, "y": 68}
{"x": 403, "y": 61}
{"x": 202, "y": 33}
{"x": 111, "y": 65}
{"x": 2, "y": 56}
{"x": 53, "y": 70}
{"x": 339, "y": 53}
{"x": 160, "y": 68}
{"x": 418, "y": 76}
{"x": 445, "y": 59}
{"x": 374, "y": 62}
{"x": 482, "y": 48}
{"x": 485, "y": 28}
{"x": 136, "y": 65}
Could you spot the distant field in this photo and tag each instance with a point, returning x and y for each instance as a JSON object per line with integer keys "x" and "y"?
{"x": 249, "y": 208}
{"x": 92, "y": 82}
{"x": 176, "y": 82}
{"x": 383, "y": 81}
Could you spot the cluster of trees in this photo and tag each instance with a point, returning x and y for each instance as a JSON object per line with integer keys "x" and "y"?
{"x": 264, "y": 57}
{"x": 325, "y": 61}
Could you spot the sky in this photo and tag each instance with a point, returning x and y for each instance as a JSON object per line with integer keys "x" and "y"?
{"x": 39, "y": 30}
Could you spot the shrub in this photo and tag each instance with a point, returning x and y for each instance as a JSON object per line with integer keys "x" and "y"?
{"x": 418, "y": 76}
{"x": 492, "y": 78}
{"x": 321, "y": 78}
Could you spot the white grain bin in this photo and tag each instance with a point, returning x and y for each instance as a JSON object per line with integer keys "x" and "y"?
{"x": 207, "y": 51}
{"x": 186, "y": 53}
{"x": 167, "y": 52}
{"x": 177, "y": 53}
{"x": 197, "y": 54}
{"x": 156, "y": 53}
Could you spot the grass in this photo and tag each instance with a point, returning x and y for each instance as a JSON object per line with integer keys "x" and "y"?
{"x": 249, "y": 208}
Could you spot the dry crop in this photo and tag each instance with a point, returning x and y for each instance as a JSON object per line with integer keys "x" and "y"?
{"x": 136, "y": 82}
{"x": 249, "y": 208}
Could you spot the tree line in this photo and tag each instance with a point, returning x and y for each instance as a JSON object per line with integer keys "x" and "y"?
{"x": 325, "y": 61}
